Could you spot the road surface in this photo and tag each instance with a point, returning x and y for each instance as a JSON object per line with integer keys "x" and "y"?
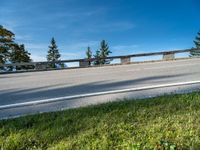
{"x": 35, "y": 86}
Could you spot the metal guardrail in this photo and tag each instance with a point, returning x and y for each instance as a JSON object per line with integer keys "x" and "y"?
{"x": 125, "y": 59}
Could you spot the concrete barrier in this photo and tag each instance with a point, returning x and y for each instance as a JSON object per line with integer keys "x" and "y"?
{"x": 126, "y": 59}
{"x": 168, "y": 56}
{"x": 83, "y": 63}
{"x": 41, "y": 66}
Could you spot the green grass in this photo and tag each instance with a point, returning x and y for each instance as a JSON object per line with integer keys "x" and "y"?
{"x": 157, "y": 123}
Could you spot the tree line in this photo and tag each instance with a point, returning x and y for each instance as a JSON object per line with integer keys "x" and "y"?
{"x": 99, "y": 57}
{"x": 12, "y": 52}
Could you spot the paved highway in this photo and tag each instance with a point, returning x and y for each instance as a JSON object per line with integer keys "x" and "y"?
{"x": 34, "y": 86}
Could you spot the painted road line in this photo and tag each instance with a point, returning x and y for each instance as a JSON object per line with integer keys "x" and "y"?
{"x": 50, "y": 100}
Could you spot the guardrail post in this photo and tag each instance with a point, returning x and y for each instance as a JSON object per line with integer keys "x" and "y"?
{"x": 125, "y": 60}
{"x": 168, "y": 56}
{"x": 40, "y": 66}
{"x": 83, "y": 63}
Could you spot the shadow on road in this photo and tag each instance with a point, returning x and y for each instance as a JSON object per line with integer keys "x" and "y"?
{"x": 16, "y": 96}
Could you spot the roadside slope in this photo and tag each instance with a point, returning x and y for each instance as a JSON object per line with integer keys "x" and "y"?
{"x": 146, "y": 124}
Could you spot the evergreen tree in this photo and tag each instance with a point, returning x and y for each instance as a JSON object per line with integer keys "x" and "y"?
{"x": 53, "y": 54}
{"x": 97, "y": 57}
{"x": 196, "y": 50}
{"x": 11, "y": 51}
{"x": 89, "y": 55}
{"x": 19, "y": 54}
{"x": 197, "y": 40}
{"x": 102, "y": 53}
{"x": 6, "y": 44}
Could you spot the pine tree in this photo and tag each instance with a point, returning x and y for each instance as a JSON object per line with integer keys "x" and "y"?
{"x": 97, "y": 57}
{"x": 89, "y": 55}
{"x": 103, "y": 53}
{"x": 197, "y": 40}
{"x": 19, "y": 54}
{"x": 11, "y": 51}
{"x": 6, "y": 44}
{"x": 53, "y": 54}
{"x": 196, "y": 50}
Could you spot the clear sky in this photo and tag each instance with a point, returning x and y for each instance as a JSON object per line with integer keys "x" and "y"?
{"x": 129, "y": 26}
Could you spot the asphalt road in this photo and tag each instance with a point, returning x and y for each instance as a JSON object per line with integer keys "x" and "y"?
{"x": 34, "y": 86}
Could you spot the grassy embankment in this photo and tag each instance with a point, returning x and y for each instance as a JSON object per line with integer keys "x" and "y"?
{"x": 166, "y": 121}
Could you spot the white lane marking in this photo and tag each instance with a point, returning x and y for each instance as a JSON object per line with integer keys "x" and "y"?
{"x": 50, "y": 100}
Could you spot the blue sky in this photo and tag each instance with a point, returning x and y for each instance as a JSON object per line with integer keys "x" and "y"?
{"x": 129, "y": 26}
